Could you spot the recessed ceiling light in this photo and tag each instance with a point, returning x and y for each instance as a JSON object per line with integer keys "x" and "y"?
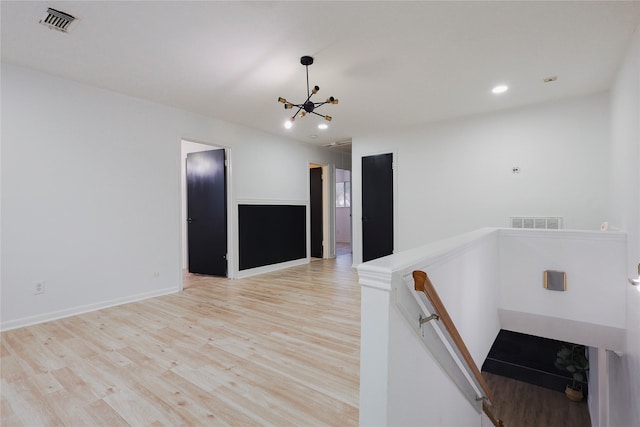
{"x": 500, "y": 89}
{"x": 550, "y": 79}
{"x": 323, "y": 126}
{"x": 313, "y": 136}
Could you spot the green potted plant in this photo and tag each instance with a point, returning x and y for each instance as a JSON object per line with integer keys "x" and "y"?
{"x": 572, "y": 358}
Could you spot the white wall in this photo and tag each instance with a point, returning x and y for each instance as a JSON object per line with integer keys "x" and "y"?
{"x": 343, "y": 225}
{"x": 343, "y": 215}
{"x": 91, "y": 192}
{"x": 594, "y": 264}
{"x": 420, "y": 392}
{"x": 624, "y": 213}
{"x": 456, "y": 176}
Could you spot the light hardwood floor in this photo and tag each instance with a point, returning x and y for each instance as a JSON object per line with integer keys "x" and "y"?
{"x": 519, "y": 404}
{"x": 278, "y": 349}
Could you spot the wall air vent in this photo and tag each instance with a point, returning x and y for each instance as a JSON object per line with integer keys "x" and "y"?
{"x": 549, "y": 223}
{"x": 57, "y": 20}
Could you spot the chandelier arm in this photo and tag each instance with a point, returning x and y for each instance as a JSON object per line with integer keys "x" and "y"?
{"x": 318, "y": 114}
{"x": 299, "y": 108}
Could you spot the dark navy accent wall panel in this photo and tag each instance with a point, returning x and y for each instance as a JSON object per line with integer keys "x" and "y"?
{"x": 271, "y": 234}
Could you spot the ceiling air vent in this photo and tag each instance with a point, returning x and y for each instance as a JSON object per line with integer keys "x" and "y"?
{"x": 338, "y": 143}
{"x": 57, "y": 20}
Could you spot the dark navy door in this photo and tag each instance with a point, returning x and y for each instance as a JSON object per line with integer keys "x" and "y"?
{"x": 377, "y": 206}
{"x": 207, "y": 213}
{"x": 316, "y": 211}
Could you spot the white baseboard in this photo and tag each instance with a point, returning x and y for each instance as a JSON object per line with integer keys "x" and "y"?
{"x": 74, "y": 311}
{"x": 270, "y": 268}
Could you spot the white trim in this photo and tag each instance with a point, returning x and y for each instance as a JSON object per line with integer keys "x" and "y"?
{"x": 74, "y": 311}
{"x": 328, "y": 203}
{"x": 590, "y": 334}
{"x": 329, "y": 214}
{"x": 430, "y": 254}
{"x": 375, "y": 277}
{"x": 603, "y": 387}
{"x": 232, "y": 242}
{"x": 270, "y": 268}
{"x": 563, "y": 234}
{"x": 271, "y": 202}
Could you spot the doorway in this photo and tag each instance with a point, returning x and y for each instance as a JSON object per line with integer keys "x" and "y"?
{"x": 343, "y": 212}
{"x": 377, "y": 206}
{"x": 204, "y": 209}
{"x": 321, "y": 223}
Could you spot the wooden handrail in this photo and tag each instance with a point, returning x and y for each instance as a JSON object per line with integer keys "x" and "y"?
{"x": 423, "y": 284}
{"x": 496, "y": 421}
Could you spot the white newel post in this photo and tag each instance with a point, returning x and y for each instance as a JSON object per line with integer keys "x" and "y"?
{"x": 374, "y": 344}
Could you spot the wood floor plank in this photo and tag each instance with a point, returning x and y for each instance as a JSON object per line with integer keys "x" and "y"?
{"x": 29, "y": 407}
{"x": 136, "y": 409}
{"x": 230, "y": 404}
{"x": 103, "y": 414}
{"x": 277, "y": 349}
{"x": 526, "y": 405}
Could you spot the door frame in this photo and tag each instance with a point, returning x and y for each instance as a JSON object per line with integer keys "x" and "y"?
{"x": 231, "y": 265}
{"x": 335, "y": 208}
{"x": 328, "y": 209}
{"x": 356, "y": 202}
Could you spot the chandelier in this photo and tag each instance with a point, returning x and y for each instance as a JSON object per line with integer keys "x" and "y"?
{"x": 308, "y": 106}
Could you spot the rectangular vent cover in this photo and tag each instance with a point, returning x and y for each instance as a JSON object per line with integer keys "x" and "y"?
{"x": 549, "y": 223}
{"x": 57, "y": 20}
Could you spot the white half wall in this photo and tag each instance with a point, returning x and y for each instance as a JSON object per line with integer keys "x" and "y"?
{"x": 488, "y": 280}
{"x": 401, "y": 382}
{"x": 433, "y": 399}
{"x": 594, "y": 263}
{"x": 91, "y": 192}
{"x": 456, "y": 176}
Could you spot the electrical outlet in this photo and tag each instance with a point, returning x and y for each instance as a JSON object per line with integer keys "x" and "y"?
{"x": 38, "y": 288}
{"x": 156, "y": 274}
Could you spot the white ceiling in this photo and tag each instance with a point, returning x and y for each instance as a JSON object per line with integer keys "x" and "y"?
{"x": 390, "y": 63}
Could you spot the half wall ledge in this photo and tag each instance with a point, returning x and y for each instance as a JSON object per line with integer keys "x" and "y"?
{"x": 589, "y": 334}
